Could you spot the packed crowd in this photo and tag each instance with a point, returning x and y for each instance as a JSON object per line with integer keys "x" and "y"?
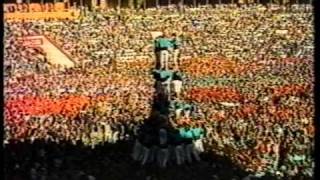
{"x": 254, "y": 98}
{"x": 250, "y": 33}
{"x": 19, "y": 59}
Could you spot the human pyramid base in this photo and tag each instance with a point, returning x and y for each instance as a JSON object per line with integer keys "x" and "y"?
{"x": 166, "y": 137}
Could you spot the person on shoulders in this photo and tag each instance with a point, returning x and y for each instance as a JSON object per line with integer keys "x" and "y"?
{"x": 176, "y": 43}
{"x": 177, "y": 84}
{"x": 164, "y": 45}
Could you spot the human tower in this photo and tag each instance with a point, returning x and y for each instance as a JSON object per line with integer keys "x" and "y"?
{"x": 167, "y": 137}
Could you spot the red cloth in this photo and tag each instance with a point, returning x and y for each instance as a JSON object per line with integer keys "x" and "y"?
{"x": 67, "y": 106}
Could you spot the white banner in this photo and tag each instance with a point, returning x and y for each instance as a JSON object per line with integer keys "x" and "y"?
{"x": 281, "y": 31}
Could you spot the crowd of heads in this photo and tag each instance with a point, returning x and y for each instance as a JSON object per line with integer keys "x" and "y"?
{"x": 247, "y": 71}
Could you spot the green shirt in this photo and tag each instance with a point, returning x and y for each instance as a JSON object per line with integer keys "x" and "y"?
{"x": 182, "y": 132}
{"x": 156, "y": 44}
{"x": 188, "y": 134}
{"x": 175, "y": 43}
{"x": 166, "y": 74}
{"x": 164, "y": 43}
{"x": 187, "y": 106}
{"x": 156, "y": 72}
{"x": 298, "y": 158}
{"x": 178, "y": 105}
{"x": 198, "y": 133}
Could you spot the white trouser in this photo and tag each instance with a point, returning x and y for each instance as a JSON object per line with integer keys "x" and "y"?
{"x": 195, "y": 153}
{"x": 187, "y": 113}
{"x": 177, "y": 86}
{"x": 115, "y": 136}
{"x": 93, "y": 145}
{"x": 176, "y": 53}
{"x": 164, "y": 58}
{"x": 166, "y": 88}
{"x": 198, "y": 144}
{"x": 178, "y": 113}
{"x": 108, "y": 136}
{"x": 191, "y": 150}
{"x": 276, "y": 161}
{"x": 179, "y": 151}
{"x": 162, "y": 158}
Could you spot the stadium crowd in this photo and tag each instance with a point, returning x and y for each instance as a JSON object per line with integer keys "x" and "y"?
{"x": 248, "y": 71}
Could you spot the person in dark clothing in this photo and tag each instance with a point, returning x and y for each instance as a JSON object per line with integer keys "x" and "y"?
{"x": 157, "y": 52}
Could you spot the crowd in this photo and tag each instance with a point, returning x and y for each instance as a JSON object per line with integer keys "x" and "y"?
{"x": 248, "y": 78}
{"x": 104, "y": 36}
{"x": 19, "y": 59}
